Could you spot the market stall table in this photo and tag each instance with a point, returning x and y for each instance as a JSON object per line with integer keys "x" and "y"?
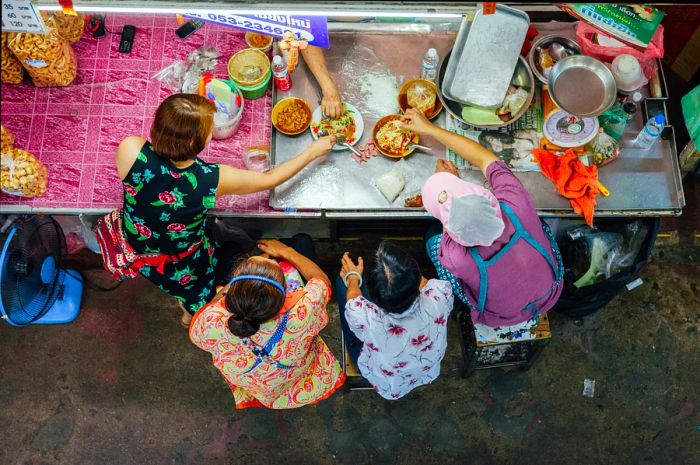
{"x": 75, "y": 130}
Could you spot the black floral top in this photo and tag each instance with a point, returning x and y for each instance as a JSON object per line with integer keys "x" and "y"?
{"x": 165, "y": 210}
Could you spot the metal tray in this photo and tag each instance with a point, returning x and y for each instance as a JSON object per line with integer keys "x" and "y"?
{"x": 484, "y": 57}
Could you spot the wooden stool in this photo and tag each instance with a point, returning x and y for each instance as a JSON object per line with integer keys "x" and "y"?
{"x": 504, "y": 351}
{"x": 354, "y": 379}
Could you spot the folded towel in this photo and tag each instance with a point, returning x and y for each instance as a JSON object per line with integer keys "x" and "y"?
{"x": 574, "y": 180}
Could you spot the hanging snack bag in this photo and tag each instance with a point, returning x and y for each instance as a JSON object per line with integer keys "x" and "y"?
{"x": 8, "y": 140}
{"x": 70, "y": 27}
{"x": 48, "y": 58}
{"x": 12, "y": 70}
{"x": 22, "y": 174}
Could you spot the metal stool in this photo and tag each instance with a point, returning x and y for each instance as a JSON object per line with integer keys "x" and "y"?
{"x": 354, "y": 379}
{"x": 522, "y": 352}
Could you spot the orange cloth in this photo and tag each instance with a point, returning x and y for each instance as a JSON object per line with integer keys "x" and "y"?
{"x": 574, "y": 180}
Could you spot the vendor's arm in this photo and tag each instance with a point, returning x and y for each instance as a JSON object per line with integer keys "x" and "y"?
{"x": 306, "y": 267}
{"x": 466, "y": 148}
{"x": 127, "y": 152}
{"x": 331, "y": 102}
{"x": 236, "y": 181}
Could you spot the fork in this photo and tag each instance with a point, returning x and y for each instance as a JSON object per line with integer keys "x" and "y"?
{"x": 340, "y": 139}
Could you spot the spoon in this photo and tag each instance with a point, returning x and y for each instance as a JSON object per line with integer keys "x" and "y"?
{"x": 340, "y": 139}
{"x": 411, "y": 146}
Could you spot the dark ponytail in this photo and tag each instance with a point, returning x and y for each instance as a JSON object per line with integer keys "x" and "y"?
{"x": 253, "y": 302}
{"x": 393, "y": 278}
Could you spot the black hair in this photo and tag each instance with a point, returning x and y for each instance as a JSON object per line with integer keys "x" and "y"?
{"x": 393, "y": 278}
{"x": 252, "y": 302}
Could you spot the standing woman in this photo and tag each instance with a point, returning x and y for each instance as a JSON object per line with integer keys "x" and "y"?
{"x": 168, "y": 191}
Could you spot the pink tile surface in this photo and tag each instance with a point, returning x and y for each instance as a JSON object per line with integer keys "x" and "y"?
{"x": 75, "y": 130}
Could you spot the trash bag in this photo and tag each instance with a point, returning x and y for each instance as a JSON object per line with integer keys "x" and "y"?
{"x": 600, "y": 262}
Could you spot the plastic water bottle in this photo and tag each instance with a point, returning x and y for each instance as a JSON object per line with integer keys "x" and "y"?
{"x": 650, "y": 132}
{"x": 283, "y": 81}
{"x": 428, "y": 68}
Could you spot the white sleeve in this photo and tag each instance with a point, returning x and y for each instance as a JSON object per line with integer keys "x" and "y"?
{"x": 357, "y": 315}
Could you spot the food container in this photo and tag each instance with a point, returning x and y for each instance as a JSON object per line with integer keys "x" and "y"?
{"x": 281, "y": 105}
{"x": 544, "y": 42}
{"x": 229, "y": 128}
{"x": 249, "y": 67}
{"x": 257, "y": 158}
{"x": 382, "y": 121}
{"x": 522, "y": 77}
{"x": 403, "y": 97}
{"x": 484, "y": 57}
{"x": 252, "y": 39}
{"x": 582, "y": 86}
{"x": 627, "y": 73}
{"x": 255, "y": 92}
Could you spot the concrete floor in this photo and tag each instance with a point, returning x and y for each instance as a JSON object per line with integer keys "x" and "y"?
{"x": 123, "y": 385}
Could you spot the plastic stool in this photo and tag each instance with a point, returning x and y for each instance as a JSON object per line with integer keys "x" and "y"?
{"x": 521, "y": 352}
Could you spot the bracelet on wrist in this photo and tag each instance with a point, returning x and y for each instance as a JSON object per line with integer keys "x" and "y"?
{"x": 352, "y": 273}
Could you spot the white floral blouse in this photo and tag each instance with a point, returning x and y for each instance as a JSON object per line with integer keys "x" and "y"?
{"x": 401, "y": 352}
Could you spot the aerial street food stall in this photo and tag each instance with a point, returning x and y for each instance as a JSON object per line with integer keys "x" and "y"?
{"x": 72, "y": 120}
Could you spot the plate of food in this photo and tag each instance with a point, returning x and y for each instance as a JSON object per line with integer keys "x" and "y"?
{"x": 420, "y": 94}
{"x": 349, "y": 125}
{"x": 291, "y": 116}
{"x": 392, "y": 140}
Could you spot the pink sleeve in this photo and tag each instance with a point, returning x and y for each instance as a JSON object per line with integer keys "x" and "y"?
{"x": 507, "y": 187}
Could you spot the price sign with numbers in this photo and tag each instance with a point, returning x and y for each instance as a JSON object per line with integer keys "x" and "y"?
{"x": 21, "y": 16}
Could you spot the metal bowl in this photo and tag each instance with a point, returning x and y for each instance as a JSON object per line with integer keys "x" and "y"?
{"x": 582, "y": 86}
{"x": 545, "y": 42}
{"x": 378, "y": 125}
{"x": 522, "y": 77}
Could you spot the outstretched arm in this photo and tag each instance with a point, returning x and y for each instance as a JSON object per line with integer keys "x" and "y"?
{"x": 331, "y": 102}
{"x": 469, "y": 150}
{"x": 236, "y": 181}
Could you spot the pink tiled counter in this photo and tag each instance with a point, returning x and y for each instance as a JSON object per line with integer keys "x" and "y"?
{"x": 75, "y": 130}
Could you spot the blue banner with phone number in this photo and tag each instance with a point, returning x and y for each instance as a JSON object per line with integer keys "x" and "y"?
{"x": 311, "y": 28}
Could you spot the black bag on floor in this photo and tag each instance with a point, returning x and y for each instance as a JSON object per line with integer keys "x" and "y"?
{"x": 578, "y": 302}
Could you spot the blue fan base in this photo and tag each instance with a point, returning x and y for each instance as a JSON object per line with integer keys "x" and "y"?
{"x": 67, "y": 307}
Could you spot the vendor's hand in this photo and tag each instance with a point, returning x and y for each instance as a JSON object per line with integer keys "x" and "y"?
{"x": 331, "y": 104}
{"x": 414, "y": 120}
{"x": 348, "y": 265}
{"x": 322, "y": 146}
{"x": 446, "y": 166}
{"x": 274, "y": 248}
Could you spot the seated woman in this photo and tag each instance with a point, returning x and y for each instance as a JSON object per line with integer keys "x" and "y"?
{"x": 395, "y": 327}
{"x": 262, "y": 330}
{"x": 501, "y": 260}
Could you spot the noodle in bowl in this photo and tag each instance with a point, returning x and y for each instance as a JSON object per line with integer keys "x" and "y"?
{"x": 391, "y": 140}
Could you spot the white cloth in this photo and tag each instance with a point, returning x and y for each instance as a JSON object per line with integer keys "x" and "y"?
{"x": 401, "y": 352}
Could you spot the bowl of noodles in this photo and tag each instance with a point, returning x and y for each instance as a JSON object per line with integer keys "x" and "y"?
{"x": 392, "y": 140}
{"x": 420, "y": 94}
{"x": 291, "y": 116}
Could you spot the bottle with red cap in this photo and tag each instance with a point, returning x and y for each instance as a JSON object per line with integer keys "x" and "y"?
{"x": 283, "y": 81}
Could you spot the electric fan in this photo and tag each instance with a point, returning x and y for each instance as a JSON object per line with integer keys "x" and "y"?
{"x": 33, "y": 287}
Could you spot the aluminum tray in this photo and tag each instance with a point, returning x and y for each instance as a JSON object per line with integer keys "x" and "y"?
{"x": 484, "y": 57}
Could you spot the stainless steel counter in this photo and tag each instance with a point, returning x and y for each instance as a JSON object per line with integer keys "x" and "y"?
{"x": 369, "y": 63}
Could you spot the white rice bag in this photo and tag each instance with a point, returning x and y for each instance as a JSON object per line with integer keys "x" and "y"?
{"x": 391, "y": 183}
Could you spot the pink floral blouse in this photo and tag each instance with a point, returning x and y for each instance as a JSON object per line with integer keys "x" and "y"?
{"x": 401, "y": 352}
